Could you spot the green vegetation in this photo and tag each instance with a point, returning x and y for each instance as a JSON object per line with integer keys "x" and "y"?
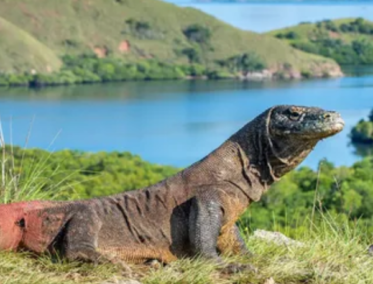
{"x": 131, "y": 32}
{"x": 91, "y": 69}
{"x": 75, "y": 174}
{"x": 363, "y": 132}
{"x": 197, "y": 33}
{"x": 329, "y": 211}
{"x": 343, "y": 192}
{"x": 347, "y": 41}
{"x": 243, "y": 63}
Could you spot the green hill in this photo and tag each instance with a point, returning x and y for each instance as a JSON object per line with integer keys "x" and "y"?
{"x": 152, "y": 29}
{"x": 348, "y": 41}
{"x": 20, "y": 52}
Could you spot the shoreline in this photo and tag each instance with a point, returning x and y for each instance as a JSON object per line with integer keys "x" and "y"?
{"x": 256, "y": 76}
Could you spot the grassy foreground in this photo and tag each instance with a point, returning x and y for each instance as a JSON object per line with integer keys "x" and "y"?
{"x": 332, "y": 253}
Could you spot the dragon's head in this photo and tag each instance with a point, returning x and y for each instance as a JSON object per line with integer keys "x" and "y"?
{"x": 293, "y": 131}
{"x": 281, "y": 137}
{"x": 303, "y": 123}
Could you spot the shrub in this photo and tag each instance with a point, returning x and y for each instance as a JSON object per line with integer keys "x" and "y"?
{"x": 306, "y": 74}
{"x": 17, "y": 80}
{"x": 3, "y": 81}
{"x": 192, "y": 54}
{"x": 197, "y": 70}
{"x": 218, "y": 75}
{"x": 288, "y": 35}
{"x": 246, "y": 62}
{"x": 370, "y": 117}
{"x": 197, "y": 33}
{"x": 331, "y": 26}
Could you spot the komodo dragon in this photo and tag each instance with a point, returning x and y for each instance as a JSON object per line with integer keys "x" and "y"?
{"x": 191, "y": 213}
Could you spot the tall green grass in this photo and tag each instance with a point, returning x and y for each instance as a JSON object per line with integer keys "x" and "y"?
{"x": 18, "y": 184}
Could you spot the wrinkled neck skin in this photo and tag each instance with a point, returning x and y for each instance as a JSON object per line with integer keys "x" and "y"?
{"x": 252, "y": 159}
{"x": 273, "y": 156}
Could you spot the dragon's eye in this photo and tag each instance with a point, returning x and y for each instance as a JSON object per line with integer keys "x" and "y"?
{"x": 293, "y": 114}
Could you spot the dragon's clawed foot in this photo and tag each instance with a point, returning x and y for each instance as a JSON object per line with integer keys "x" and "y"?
{"x": 237, "y": 268}
{"x": 121, "y": 265}
{"x": 154, "y": 263}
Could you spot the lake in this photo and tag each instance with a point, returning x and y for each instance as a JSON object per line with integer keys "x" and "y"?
{"x": 176, "y": 122}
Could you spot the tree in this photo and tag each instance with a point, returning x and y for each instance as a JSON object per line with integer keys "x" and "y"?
{"x": 371, "y": 116}
{"x": 192, "y": 54}
{"x": 197, "y": 33}
{"x": 250, "y": 62}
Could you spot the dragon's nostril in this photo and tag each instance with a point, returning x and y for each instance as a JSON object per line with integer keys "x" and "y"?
{"x": 21, "y": 223}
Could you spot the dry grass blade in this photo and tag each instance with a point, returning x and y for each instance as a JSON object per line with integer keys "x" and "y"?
{"x": 3, "y": 158}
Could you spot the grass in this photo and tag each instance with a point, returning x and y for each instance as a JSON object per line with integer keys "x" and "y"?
{"x": 332, "y": 253}
{"x": 307, "y": 30}
{"x": 21, "y": 52}
{"x": 20, "y": 184}
{"x": 101, "y": 24}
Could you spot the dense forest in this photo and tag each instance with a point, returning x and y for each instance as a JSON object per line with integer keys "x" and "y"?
{"x": 346, "y": 192}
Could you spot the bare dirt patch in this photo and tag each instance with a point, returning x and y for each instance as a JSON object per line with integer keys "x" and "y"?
{"x": 101, "y": 52}
{"x": 124, "y": 46}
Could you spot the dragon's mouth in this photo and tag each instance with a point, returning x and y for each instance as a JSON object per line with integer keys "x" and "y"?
{"x": 339, "y": 124}
{"x": 329, "y": 127}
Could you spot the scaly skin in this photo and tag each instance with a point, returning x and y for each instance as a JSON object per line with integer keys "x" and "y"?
{"x": 191, "y": 213}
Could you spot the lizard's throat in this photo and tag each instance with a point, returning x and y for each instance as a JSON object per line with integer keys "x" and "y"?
{"x": 282, "y": 154}
{"x": 273, "y": 157}
{"x": 285, "y": 155}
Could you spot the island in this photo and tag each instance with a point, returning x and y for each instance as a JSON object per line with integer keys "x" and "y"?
{"x": 347, "y": 41}
{"x": 362, "y": 132}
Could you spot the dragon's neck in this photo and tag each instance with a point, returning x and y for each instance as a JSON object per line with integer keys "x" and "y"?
{"x": 250, "y": 159}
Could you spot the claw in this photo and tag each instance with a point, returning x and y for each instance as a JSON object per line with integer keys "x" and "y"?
{"x": 237, "y": 268}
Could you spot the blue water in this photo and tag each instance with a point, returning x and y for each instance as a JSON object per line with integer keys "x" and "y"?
{"x": 263, "y": 16}
{"x": 173, "y": 123}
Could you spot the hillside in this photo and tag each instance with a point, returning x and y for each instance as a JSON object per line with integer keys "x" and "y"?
{"x": 20, "y": 52}
{"x": 144, "y": 29}
{"x": 348, "y": 41}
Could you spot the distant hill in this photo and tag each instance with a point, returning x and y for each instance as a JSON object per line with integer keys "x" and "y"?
{"x": 348, "y": 41}
{"x": 19, "y": 51}
{"x": 142, "y": 29}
